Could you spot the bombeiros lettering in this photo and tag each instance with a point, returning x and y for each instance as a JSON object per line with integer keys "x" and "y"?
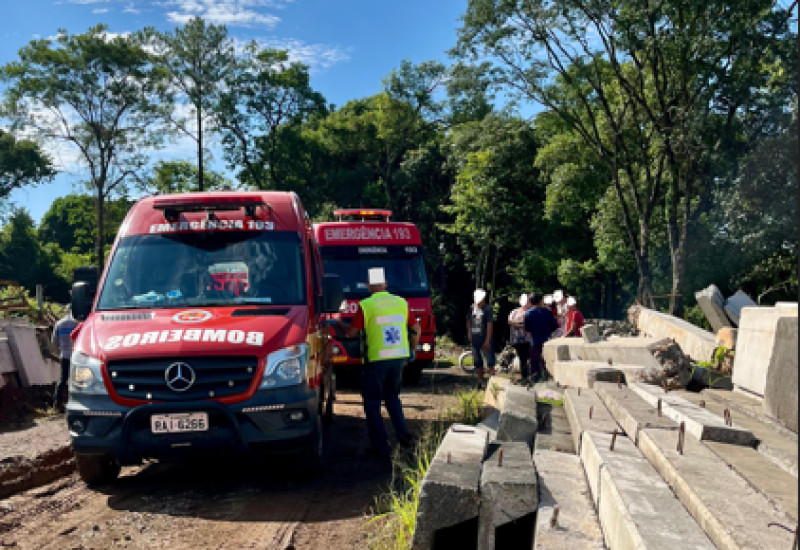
{"x": 133, "y": 339}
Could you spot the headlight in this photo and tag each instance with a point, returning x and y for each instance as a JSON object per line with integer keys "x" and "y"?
{"x": 286, "y": 367}
{"x": 84, "y": 374}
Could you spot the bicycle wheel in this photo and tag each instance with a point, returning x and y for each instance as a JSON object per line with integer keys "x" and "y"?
{"x": 466, "y": 362}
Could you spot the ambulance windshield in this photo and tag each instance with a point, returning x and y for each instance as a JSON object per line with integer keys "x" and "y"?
{"x": 403, "y": 265}
{"x": 194, "y": 269}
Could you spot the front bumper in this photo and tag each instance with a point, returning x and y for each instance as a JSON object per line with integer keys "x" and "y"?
{"x": 98, "y": 426}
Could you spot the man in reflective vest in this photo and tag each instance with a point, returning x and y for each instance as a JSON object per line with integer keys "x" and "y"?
{"x": 391, "y": 336}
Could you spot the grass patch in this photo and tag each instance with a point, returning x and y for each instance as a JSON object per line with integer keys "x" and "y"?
{"x": 396, "y": 511}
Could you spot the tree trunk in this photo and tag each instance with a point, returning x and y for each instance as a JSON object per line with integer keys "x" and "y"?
{"x": 494, "y": 273}
{"x": 99, "y": 246}
{"x": 199, "y": 149}
{"x": 644, "y": 292}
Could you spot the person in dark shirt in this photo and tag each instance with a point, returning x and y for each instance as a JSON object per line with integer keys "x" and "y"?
{"x": 540, "y": 324}
{"x": 480, "y": 323}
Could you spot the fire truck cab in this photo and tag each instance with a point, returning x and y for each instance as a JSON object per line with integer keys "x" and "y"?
{"x": 203, "y": 336}
{"x": 365, "y": 238}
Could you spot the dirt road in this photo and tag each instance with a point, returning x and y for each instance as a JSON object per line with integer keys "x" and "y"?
{"x": 227, "y": 504}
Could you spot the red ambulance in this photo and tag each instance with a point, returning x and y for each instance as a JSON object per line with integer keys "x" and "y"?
{"x": 368, "y": 238}
{"x": 204, "y": 335}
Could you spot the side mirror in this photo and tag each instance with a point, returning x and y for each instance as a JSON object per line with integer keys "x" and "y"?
{"x": 332, "y": 293}
{"x": 81, "y": 300}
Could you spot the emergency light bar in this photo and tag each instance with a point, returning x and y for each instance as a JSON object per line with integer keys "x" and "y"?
{"x": 173, "y": 206}
{"x": 364, "y": 214}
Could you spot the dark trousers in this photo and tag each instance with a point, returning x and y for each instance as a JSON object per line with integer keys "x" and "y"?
{"x": 382, "y": 381}
{"x": 537, "y": 366}
{"x": 523, "y": 352}
{"x": 60, "y": 398}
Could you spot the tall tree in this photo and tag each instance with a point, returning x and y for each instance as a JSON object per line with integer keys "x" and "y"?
{"x": 70, "y": 222}
{"x": 21, "y": 162}
{"x": 177, "y": 176}
{"x": 678, "y": 73}
{"x": 98, "y": 93}
{"x": 199, "y": 58}
{"x": 264, "y": 93}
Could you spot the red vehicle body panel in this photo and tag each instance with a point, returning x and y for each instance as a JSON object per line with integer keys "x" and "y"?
{"x": 368, "y": 233}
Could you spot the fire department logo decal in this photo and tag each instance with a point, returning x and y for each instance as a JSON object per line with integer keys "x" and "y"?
{"x": 192, "y": 316}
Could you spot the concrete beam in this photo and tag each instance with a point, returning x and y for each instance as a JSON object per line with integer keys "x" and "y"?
{"x": 518, "y": 417}
{"x": 509, "y": 497}
{"x": 780, "y": 392}
{"x": 699, "y": 422}
{"x": 772, "y": 440}
{"x": 579, "y": 407}
{"x": 755, "y": 346}
{"x": 449, "y": 493}
{"x": 583, "y": 374}
{"x": 494, "y": 395}
{"x": 562, "y": 487}
{"x": 631, "y": 411}
{"x": 712, "y": 303}
{"x": 734, "y": 305}
{"x": 695, "y": 342}
{"x": 725, "y": 505}
{"x": 636, "y": 508}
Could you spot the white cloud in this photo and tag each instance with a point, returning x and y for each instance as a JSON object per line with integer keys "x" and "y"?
{"x": 86, "y": 2}
{"x": 232, "y": 13}
{"x": 131, "y": 8}
{"x": 100, "y": 10}
{"x": 316, "y": 56}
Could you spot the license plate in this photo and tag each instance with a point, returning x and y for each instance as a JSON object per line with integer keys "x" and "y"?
{"x": 179, "y": 422}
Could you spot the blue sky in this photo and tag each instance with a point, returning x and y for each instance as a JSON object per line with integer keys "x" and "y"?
{"x": 350, "y": 45}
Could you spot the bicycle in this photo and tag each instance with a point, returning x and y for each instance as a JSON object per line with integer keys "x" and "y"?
{"x": 507, "y": 361}
{"x": 466, "y": 362}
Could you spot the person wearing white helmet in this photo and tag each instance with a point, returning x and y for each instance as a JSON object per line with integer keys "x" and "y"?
{"x": 520, "y": 339}
{"x": 480, "y": 323}
{"x": 574, "y": 318}
{"x": 560, "y": 301}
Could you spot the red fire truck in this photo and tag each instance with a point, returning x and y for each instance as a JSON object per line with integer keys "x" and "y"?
{"x": 204, "y": 336}
{"x": 365, "y": 238}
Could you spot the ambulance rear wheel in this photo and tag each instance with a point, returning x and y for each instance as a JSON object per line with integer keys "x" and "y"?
{"x": 96, "y": 470}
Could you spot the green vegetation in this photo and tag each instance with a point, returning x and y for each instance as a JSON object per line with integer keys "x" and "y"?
{"x": 664, "y": 145}
{"x": 396, "y": 511}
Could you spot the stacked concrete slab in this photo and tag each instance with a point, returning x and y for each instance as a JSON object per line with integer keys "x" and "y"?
{"x": 449, "y": 495}
{"x": 583, "y": 374}
{"x": 780, "y": 391}
{"x": 732, "y": 510}
{"x": 695, "y": 342}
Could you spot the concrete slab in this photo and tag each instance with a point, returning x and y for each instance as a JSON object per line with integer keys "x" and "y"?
{"x": 755, "y": 346}
{"x": 562, "y": 485}
{"x": 590, "y": 333}
{"x": 494, "y": 395}
{"x": 780, "y": 392}
{"x": 578, "y": 407}
{"x": 734, "y": 305}
{"x": 31, "y": 366}
{"x": 490, "y": 424}
{"x": 517, "y": 420}
{"x": 772, "y": 441}
{"x": 449, "y": 494}
{"x": 712, "y": 303}
{"x": 726, "y": 337}
{"x": 779, "y": 486}
{"x": 699, "y": 421}
{"x": 636, "y": 508}
{"x": 695, "y": 342}
{"x": 624, "y": 351}
{"x": 583, "y": 374}
{"x": 630, "y": 411}
{"x": 509, "y": 497}
{"x": 553, "y": 432}
{"x": 724, "y": 504}
{"x": 6, "y": 359}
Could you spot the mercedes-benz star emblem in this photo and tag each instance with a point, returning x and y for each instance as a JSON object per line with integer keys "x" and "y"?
{"x": 179, "y": 377}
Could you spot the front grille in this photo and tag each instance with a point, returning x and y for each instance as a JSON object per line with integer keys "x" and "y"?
{"x": 214, "y": 377}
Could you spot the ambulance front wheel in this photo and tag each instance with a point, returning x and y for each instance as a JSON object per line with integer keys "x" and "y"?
{"x": 412, "y": 372}
{"x": 96, "y": 469}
